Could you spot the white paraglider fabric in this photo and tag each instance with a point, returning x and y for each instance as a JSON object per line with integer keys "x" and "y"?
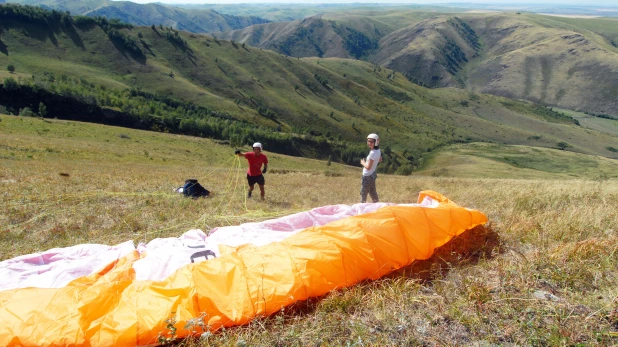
{"x": 55, "y": 268}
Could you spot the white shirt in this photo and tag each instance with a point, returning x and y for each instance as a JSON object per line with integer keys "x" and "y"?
{"x": 375, "y": 154}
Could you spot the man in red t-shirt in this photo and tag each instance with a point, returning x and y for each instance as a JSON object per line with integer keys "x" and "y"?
{"x": 255, "y": 172}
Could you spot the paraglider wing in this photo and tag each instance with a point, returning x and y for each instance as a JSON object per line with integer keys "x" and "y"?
{"x": 112, "y": 307}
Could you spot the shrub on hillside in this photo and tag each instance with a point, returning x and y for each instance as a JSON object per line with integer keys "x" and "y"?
{"x": 128, "y": 42}
{"x": 26, "y": 112}
{"x": 10, "y": 68}
{"x": 30, "y": 14}
{"x": 84, "y": 22}
{"x": 355, "y": 42}
{"x": 10, "y": 84}
{"x": 143, "y": 110}
{"x": 404, "y": 170}
{"x": 174, "y": 38}
{"x": 562, "y": 145}
{"x": 42, "y": 109}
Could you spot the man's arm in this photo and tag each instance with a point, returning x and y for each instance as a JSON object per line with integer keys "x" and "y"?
{"x": 265, "y": 168}
{"x": 237, "y": 152}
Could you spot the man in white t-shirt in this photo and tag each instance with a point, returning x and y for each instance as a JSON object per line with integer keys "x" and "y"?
{"x": 370, "y": 164}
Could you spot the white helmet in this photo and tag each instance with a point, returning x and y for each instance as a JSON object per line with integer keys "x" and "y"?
{"x": 257, "y": 144}
{"x": 374, "y": 137}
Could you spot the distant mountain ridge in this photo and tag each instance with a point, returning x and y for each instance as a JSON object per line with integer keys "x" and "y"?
{"x": 309, "y": 37}
{"x": 196, "y": 21}
{"x": 552, "y": 61}
{"x": 510, "y": 56}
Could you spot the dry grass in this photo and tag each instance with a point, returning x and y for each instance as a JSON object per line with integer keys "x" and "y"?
{"x": 541, "y": 273}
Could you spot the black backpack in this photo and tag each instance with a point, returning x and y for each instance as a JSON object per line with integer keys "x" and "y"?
{"x": 193, "y": 189}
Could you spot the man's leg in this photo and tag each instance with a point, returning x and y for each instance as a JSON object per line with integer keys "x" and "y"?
{"x": 261, "y": 182}
{"x": 251, "y": 186}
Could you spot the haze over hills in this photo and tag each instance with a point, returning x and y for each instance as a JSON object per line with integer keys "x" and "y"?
{"x": 287, "y": 12}
{"x": 192, "y": 20}
{"x": 222, "y": 89}
{"x": 196, "y": 21}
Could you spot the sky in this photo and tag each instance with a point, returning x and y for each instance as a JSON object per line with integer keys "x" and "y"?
{"x": 612, "y": 3}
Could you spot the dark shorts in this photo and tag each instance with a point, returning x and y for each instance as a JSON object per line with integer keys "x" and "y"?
{"x": 255, "y": 179}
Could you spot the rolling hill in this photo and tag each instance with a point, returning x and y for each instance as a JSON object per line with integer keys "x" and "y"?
{"x": 519, "y": 56}
{"x": 344, "y": 34}
{"x": 196, "y": 21}
{"x": 309, "y": 37}
{"x": 166, "y": 80}
{"x": 564, "y": 62}
{"x": 501, "y": 161}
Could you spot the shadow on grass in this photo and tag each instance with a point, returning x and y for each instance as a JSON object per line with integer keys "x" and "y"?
{"x": 156, "y": 31}
{"x": 137, "y": 56}
{"x": 220, "y": 68}
{"x": 74, "y": 35}
{"x": 3, "y": 48}
{"x": 147, "y": 47}
{"x": 34, "y": 30}
{"x": 481, "y": 242}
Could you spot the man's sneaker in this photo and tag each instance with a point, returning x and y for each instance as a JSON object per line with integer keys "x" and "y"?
{"x": 248, "y": 194}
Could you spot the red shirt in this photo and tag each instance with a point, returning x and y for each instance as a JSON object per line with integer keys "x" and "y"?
{"x": 255, "y": 163}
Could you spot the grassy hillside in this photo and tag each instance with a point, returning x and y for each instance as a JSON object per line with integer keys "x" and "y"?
{"x": 605, "y": 27}
{"x": 310, "y": 37}
{"x": 501, "y": 161}
{"x": 353, "y": 33}
{"x": 541, "y": 272}
{"x": 249, "y": 94}
{"x": 533, "y": 57}
{"x": 565, "y": 62}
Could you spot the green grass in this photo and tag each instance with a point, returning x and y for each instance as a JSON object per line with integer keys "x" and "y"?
{"x": 65, "y": 183}
{"x": 38, "y": 139}
{"x": 502, "y": 161}
{"x": 605, "y": 27}
{"x": 605, "y": 125}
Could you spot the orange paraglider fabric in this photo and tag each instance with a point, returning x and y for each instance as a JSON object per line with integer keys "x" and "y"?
{"x": 112, "y": 308}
